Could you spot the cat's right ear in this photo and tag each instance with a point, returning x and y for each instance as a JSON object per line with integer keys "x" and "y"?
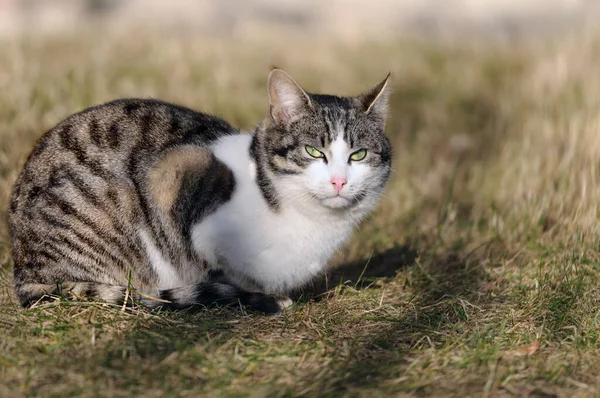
{"x": 287, "y": 100}
{"x": 375, "y": 100}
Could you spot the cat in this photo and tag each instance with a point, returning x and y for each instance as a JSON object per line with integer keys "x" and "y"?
{"x": 148, "y": 201}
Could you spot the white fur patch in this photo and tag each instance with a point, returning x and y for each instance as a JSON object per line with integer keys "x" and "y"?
{"x": 167, "y": 275}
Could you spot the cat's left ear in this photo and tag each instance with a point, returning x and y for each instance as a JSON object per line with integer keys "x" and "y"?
{"x": 375, "y": 100}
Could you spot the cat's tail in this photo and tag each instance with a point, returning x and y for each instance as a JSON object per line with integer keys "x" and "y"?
{"x": 198, "y": 294}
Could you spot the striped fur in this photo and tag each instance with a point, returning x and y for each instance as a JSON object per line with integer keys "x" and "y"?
{"x": 121, "y": 195}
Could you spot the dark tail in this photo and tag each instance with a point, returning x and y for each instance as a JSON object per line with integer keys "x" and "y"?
{"x": 199, "y": 294}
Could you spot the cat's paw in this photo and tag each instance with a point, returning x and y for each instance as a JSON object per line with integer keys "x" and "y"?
{"x": 266, "y": 304}
{"x": 285, "y": 302}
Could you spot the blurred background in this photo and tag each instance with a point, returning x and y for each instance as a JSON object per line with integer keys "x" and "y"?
{"x": 342, "y": 19}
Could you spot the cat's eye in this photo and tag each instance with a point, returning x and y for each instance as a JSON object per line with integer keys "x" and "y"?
{"x": 314, "y": 152}
{"x": 358, "y": 155}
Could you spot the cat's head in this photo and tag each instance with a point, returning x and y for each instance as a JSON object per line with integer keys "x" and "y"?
{"x": 321, "y": 149}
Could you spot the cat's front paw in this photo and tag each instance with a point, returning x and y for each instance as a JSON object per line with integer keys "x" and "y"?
{"x": 266, "y": 304}
{"x": 285, "y": 302}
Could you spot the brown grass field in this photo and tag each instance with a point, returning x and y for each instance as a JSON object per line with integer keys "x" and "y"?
{"x": 478, "y": 275}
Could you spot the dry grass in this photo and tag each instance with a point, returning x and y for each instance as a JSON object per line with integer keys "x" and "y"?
{"x": 485, "y": 245}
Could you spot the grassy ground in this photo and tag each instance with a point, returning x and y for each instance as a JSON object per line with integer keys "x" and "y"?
{"x": 477, "y": 276}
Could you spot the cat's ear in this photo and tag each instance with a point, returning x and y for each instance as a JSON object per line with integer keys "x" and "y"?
{"x": 375, "y": 100}
{"x": 287, "y": 100}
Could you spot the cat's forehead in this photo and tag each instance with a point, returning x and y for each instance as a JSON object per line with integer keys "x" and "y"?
{"x": 333, "y": 107}
{"x": 339, "y": 118}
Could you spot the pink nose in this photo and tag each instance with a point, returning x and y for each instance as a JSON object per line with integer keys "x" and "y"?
{"x": 338, "y": 183}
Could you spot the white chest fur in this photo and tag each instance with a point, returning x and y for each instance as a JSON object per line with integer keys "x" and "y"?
{"x": 280, "y": 251}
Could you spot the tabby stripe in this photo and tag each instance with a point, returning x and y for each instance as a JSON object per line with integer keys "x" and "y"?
{"x": 34, "y": 192}
{"x": 82, "y": 186}
{"x": 47, "y": 255}
{"x": 174, "y": 125}
{"x": 167, "y": 295}
{"x": 145, "y": 125}
{"x": 348, "y": 134}
{"x": 176, "y": 137}
{"x": 62, "y": 239}
{"x": 266, "y": 187}
{"x": 69, "y": 209}
{"x": 91, "y": 290}
{"x": 160, "y": 238}
{"x": 95, "y": 167}
{"x": 92, "y": 263}
{"x": 94, "y": 133}
{"x": 332, "y": 130}
{"x": 125, "y": 260}
{"x": 95, "y": 246}
{"x": 102, "y": 250}
{"x": 113, "y": 135}
{"x": 113, "y": 196}
{"x": 69, "y": 141}
{"x": 55, "y": 222}
{"x": 327, "y": 133}
{"x": 345, "y": 129}
{"x": 130, "y": 108}
{"x": 283, "y": 151}
{"x": 95, "y": 265}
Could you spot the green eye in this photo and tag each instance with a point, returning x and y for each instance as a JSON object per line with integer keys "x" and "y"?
{"x": 314, "y": 152}
{"x": 358, "y": 155}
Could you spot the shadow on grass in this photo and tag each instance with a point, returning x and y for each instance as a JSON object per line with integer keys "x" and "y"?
{"x": 442, "y": 292}
{"x": 360, "y": 274}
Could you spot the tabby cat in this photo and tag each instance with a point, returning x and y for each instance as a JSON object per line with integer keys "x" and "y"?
{"x": 143, "y": 200}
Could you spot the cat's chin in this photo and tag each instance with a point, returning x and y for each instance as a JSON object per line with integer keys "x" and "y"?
{"x": 337, "y": 202}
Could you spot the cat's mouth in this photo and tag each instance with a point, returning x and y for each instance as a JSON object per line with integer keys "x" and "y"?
{"x": 339, "y": 202}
